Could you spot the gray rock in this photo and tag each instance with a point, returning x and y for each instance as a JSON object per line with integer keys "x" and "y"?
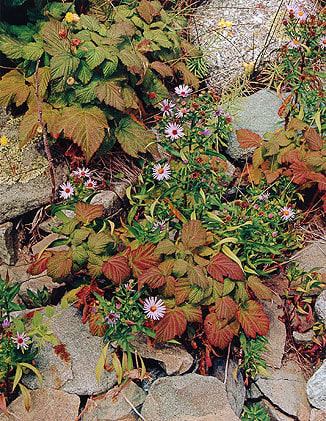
{"x": 36, "y": 283}
{"x": 257, "y": 113}
{"x": 154, "y": 374}
{"x": 316, "y": 388}
{"x": 311, "y": 257}
{"x": 320, "y": 306}
{"x": 274, "y": 413}
{"x": 114, "y": 406}
{"x": 173, "y": 358}
{"x": 303, "y": 338}
{"x": 75, "y": 374}
{"x": 235, "y": 388}
{"x": 30, "y": 187}
{"x": 46, "y": 405}
{"x": 7, "y": 250}
{"x": 285, "y": 389}
{"x": 245, "y": 41}
{"x": 317, "y": 415}
{"x": 187, "y": 397}
{"x": 276, "y": 335}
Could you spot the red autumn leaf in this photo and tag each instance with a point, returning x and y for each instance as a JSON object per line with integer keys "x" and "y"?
{"x": 252, "y": 319}
{"x": 173, "y": 324}
{"x": 193, "y": 234}
{"x": 300, "y": 172}
{"x": 320, "y": 179}
{"x": 272, "y": 175}
{"x": 196, "y": 275}
{"x": 221, "y": 266}
{"x": 218, "y": 332}
{"x": 289, "y": 156}
{"x": 3, "y": 405}
{"x": 314, "y": 141}
{"x": 181, "y": 290}
{"x": 87, "y": 213}
{"x": 142, "y": 258}
{"x": 40, "y": 264}
{"x": 116, "y": 268}
{"x": 153, "y": 277}
{"x": 59, "y": 264}
{"x": 248, "y": 139}
{"x": 225, "y": 308}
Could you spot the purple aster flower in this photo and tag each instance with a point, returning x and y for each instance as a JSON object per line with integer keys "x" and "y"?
{"x": 21, "y": 340}
{"x": 112, "y": 318}
{"x": 207, "y": 132}
{"x": 154, "y": 308}
{"x": 183, "y": 90}
{"x": 287, "y": 213}
{"x": 167, "y": 107}
{"x": 5, "y": 323}
{"x": 159, "y": 224}
{"x": 264, "y": 196}
{"x": 161, "y": 173}
{"x": 218, "y": 112}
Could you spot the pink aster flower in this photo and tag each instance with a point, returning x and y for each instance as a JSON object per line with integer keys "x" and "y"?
{"x": 274, "y": 234}
{"x": 159, "y": 224}
{"x": 182, "y": 112}
{"x": 21, "y": 340}
{"x": 167, "y": 107}
{"x": 173, "y": 131}
{"x": 183, "y": 90}
{"x": 256, "y": 206}
{"x": 129, "y": 286}
{"x": 286, "y": 213}
{"x": 294, "y": 43}
{"x": 322, "y": 42}
{"x": 300, "y": 14}
{"x": 264, "y": 196}
{"x": 90, "y": 184}
{"x": 5, "y": 323}
{"x": 218, "y": 112}
{"x": 82, "y": 172}
{"x": 66, "y": 190}
{"x": 292, "y": 8}
{"x": 206, "y": 132}
{"x": 154, "y": 308}
{"x": 112, "y": 318}
{"x": 161, "y": 173}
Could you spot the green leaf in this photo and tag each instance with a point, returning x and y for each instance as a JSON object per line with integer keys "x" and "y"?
{"x": 18, "y": 376}
{"x": 90, "y": 22}
{"x": 13, "y": 89}
{"x": 86, "y": 94}
{"x": 133, "y": 137}
{"x": 97, "y": 242}
{"x": 84, "y": 73}
{"x": 35, "y": 371}
{"x": 228, "y": 287}
{"x": 165, "y": 247}
{"x": 101, "y": 362}
{"x": 79, "y": 255}
{"x": 63, "y": 65}
{"x": 49, "y": 312}
{"x": 37, "y": 318}
{"x": 111, "y": 94}
{"x": 110, "y": 66}
{"x": 95, "y": 56}
{"x": 59, "y": 264}
{"x": 52, "y": 42}
{"x": 11, "y": 47}
{"x": 26, "y": 396}
{"x": 146, "y": 10}
{"x": 32, "y": 51}
{"x": 79, "y": 235}
{"x": 130, "y": 97}
{"x": 84, "y": 126}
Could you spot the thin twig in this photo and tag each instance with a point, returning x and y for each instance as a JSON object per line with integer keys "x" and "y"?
{"x": 128, "y": 401}
{"x": 45, "y": 139}
{"x": 227, "y": 364}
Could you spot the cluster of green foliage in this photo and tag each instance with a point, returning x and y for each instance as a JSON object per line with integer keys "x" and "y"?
{"x": 300, "y": 68}
{"x": 20, "y": 342}
{"x": 254, "y": 413}
{"x": 94, "y": 78}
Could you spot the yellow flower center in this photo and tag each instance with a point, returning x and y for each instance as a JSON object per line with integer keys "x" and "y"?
{"x": 296, "y": 42}
{"x": 300, "y": 13}
{"x": 153, "y": 308}
{"x": 160, "y": 170}
{"x": 324, "y": 41}
{"x": 286, "y": 212}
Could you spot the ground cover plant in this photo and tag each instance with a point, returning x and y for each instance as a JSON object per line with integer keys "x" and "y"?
{"x": 93, "y": 73}
{"x": 189, "y": 262}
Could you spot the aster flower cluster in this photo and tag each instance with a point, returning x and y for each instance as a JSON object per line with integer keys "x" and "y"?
{"x": 78, "y": 178}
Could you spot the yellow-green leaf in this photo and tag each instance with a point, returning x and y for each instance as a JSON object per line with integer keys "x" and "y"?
{"x": 101, "y": 362}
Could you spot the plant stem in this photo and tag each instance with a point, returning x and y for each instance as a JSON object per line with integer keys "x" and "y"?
{"x": 45, "y": 139}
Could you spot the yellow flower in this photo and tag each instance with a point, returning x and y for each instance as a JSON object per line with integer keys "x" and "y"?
{"x": 224, "y": 24}
{"x": 39, "y": 129}
{"x": 69, "y": 17}
{"x": 3, "y": 141}
{"x": 248, "y": 68}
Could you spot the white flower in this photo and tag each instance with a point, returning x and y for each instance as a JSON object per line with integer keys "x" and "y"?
{"x": 166, "y": 107}
{"x": 173, "y": 131}
{"x": 183, "y": 90}
{"x": 322, "y": 42}
{"x": 154, "y": 308}
{"x": 161, "y": 173}
{"x": 82, "y": 172}
{"x": 287, "y": 213}
{"x": 300, "y": 14}
{"x": 294, "y": 44}
{"x": 90, "y": 184}
{"x": 159, "y": 224}
{"x": 66, "y": 190}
